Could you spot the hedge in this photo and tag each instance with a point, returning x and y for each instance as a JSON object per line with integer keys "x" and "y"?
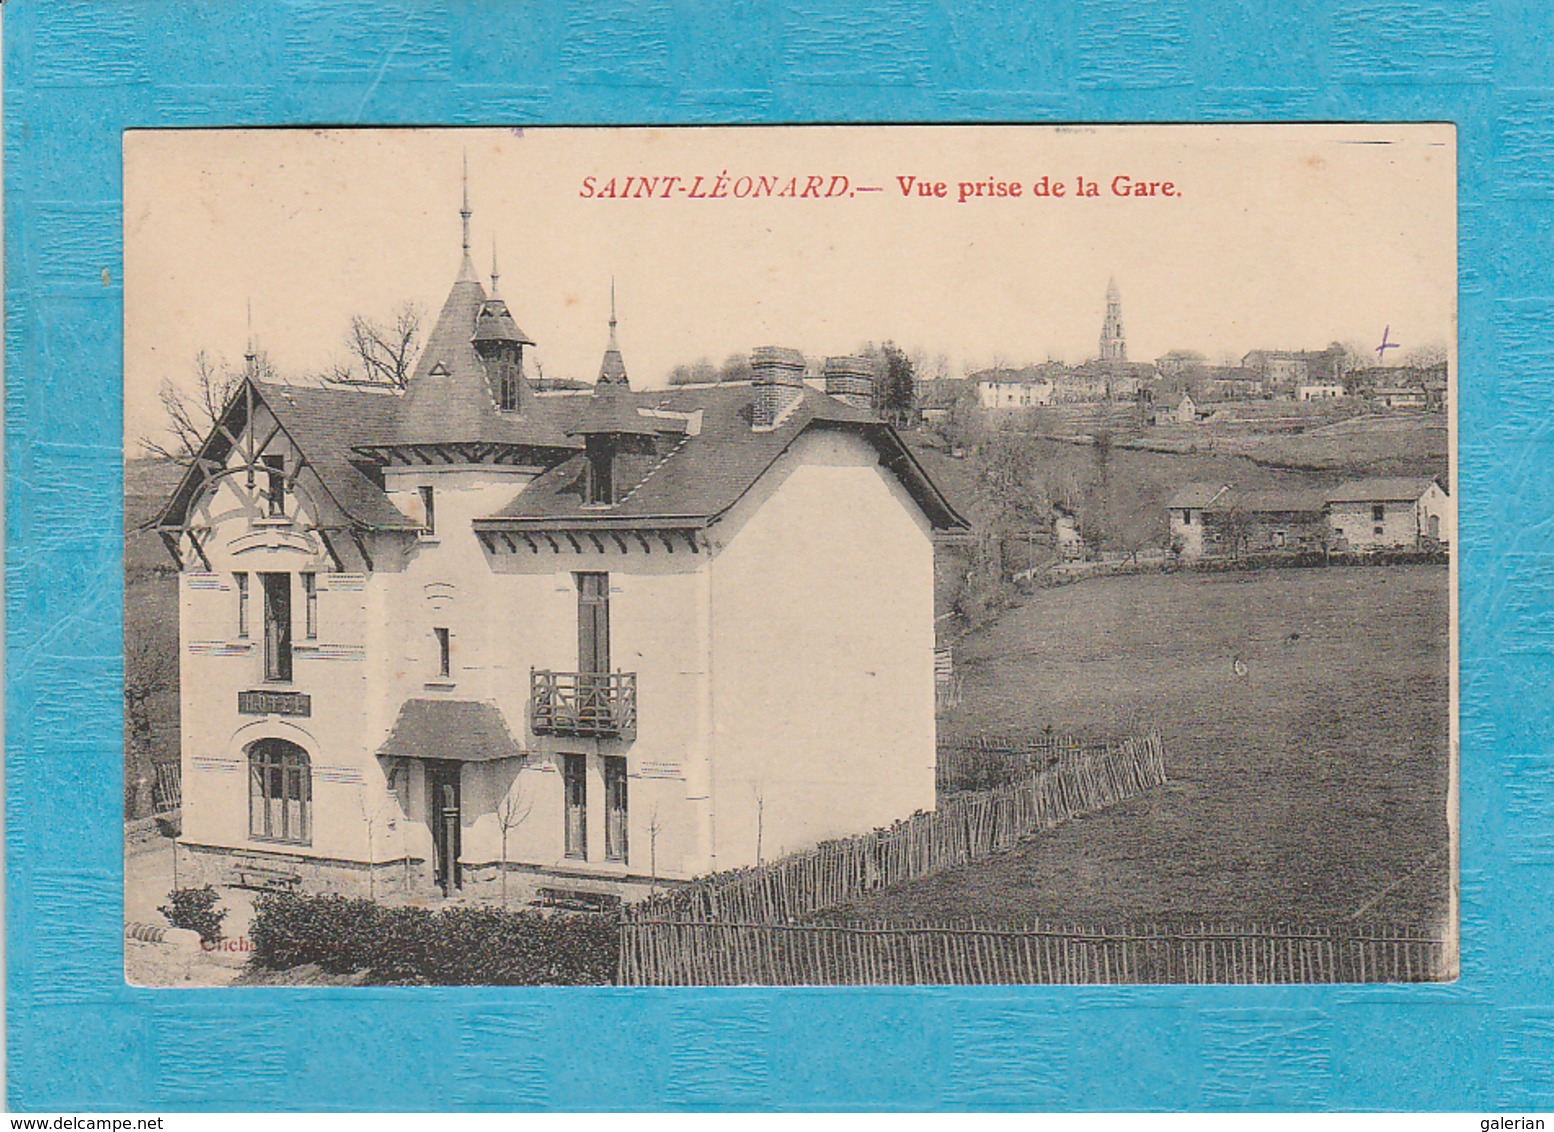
{"x": 465, "y": 946}
{"x": 1310, "y": 559}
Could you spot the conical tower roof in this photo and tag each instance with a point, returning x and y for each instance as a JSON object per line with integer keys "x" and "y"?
{"x": 612, "y": 409}
{"x": 612, "y": 370}
{"x": 493, "y": 323}
{"x": 449, "y": 398}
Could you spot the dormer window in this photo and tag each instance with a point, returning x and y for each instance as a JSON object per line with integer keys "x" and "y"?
{"x": 275, "y": 488}
{"x": 601, "y": 468}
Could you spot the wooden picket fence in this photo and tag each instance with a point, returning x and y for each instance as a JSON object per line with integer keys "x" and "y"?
{"x": 660, "y": 952}
{"x": 964, "y": 827}
{"x": 993, "y": 760}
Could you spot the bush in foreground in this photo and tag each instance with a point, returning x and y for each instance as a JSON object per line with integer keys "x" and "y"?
{"x": 471, "y": 946}
{"x": 195, "y": 909}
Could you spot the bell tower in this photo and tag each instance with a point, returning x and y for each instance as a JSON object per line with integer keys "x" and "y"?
{"x": 1114, "y": 347}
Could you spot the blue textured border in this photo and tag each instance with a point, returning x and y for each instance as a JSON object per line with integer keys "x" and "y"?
{"x": 78, "y": 72}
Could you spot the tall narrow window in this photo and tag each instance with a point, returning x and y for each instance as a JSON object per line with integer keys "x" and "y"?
{"x": 280, "y": 792}
{"x": 242, "y": 604}
{"x": 507, "y": 386}
{"x": 615, "y": 809}
{"x": 1378, "y": 512}
{"x": 574, "y": 772}
{"x": 593, "y": 623}
{"x": 277, "y": 626}
{"x": 444, "y": 653}
{"x": 428, "y": 510}
{"x": 275, "y": 489}
{"x": 601, "y": 466}
{"x": 310, "y": 594}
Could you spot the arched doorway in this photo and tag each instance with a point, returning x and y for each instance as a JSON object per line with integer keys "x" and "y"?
{"x": 280, "y": 792}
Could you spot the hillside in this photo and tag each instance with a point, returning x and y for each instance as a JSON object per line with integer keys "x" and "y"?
{"x": 150, "y": 602}
{"x": 147, "y": 485}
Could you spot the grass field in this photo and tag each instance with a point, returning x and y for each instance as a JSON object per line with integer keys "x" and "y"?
{"x": 1311, "y": 789}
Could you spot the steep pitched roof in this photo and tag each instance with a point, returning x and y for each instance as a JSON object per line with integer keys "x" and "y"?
{"x": 697, "y": 474}
{"x": 1393, "y": 489}
{"x": 325, "y": 425}
{"x": 612, "y": 409}
{"x": 494, "y": 323}
{"x": 1196, "y": 495}
{"x": 462, "y": 730}
{"x": 1268, "y": 501}
{"x": 449, "y": 399}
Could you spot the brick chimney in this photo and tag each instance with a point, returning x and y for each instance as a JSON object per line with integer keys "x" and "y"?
{"x": 778, "y": 376}
{"x": 851, "y": 379}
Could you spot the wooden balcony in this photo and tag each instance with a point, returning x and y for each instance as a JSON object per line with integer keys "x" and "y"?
{"x": 598, "y": 704}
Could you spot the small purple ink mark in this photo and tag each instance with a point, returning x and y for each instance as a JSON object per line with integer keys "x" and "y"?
{"x": 1381, "y": 351}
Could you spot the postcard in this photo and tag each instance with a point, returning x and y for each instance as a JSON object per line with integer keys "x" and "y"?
{"x": 790, "y": 556}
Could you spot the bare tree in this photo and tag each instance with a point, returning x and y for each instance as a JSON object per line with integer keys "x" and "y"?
{"x": 382, "y": 353}
{"x": 150, "y": 668}
{"x": 654, "y": 827}
{"x": 736, "y": 367}
{"x": 759, "y": 789}
{"x": 699, "y": 372}
{"x": 513, "y": 810}
{"x": 370, "y": 814}
{"x": 1430, "y": 354}
{"x": 192, "y": 413}
{"x": 1238, "y": 529}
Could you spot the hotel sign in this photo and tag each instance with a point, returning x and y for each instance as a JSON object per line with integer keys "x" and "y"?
{"x": 274, "y": 703}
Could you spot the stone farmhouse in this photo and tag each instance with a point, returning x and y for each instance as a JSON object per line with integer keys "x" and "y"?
{"x": 1217, "y": 520}
{"x": 614, "y": 636}
{"x": 1381, "y": 513}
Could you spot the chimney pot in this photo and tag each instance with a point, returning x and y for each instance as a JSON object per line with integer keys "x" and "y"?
{"x": 851, "y": 380}
{"x": 778, "y": 376}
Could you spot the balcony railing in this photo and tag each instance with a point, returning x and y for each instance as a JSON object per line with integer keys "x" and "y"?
{"x": 583, "y": 703}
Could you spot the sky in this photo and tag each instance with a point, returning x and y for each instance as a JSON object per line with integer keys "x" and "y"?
{"x": 1278, "y": 237}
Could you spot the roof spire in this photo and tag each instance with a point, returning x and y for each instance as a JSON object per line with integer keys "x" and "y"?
{"x": 495, "y": 274}
{"x": 250, "y": 355}
{"x": 467, "y": 267}
{"x": 612, "y": 371}
{"x": 613, "y": 345}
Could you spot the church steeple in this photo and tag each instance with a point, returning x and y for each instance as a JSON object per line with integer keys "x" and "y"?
{"x": 1114, "y": 346}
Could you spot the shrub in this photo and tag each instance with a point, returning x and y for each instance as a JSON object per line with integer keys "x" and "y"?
{"x": 195, "y": 909}
{"x": 466, "y": 946}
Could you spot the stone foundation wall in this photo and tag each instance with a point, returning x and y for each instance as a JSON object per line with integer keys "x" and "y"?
{"x": 484, "y": 882}
{"x": 204, "y": 864}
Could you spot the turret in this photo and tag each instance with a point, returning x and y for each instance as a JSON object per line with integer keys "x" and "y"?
{"x": 611, "y": 426}
{"x": 500, "y": 344}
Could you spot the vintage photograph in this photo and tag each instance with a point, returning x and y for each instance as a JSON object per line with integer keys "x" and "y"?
{"x": 790, "y": 555}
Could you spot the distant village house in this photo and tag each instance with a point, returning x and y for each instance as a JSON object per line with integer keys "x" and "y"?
{"x": 1217, "y": 520}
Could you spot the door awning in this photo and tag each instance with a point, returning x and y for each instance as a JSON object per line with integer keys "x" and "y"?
{"x": 466, "y": 731}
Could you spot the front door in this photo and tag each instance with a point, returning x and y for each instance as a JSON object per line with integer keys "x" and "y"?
{"x": 442, "y": 811}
